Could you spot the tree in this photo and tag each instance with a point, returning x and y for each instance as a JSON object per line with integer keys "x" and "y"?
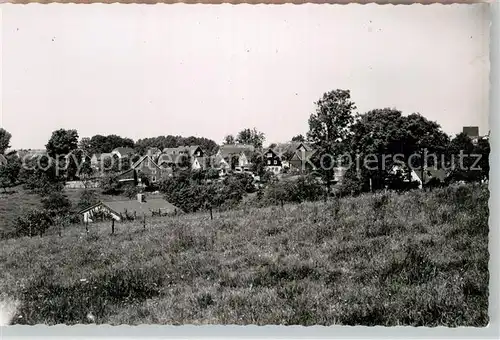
{"x": 62, "y": 142}
{"x": 41, "y": 176}
{"x": 246, "y": 181}
{"x": 258, "y": 165}
{"x": 85, "y": 145}
{"x": 87, "y": 199}
{"x": 307, "y": 188}
{"x": 5, "y": 137}
{"x": 56, "y": 204}
{"x": 482, "y": 149}
{"x": 278, "y": 192}
{"x": 229, "y": 139}
{"x": 106, "y": 144}
{"x": 298, "y": 139}
{"x": 460, "y": 151}
{"x": 9, "y": 173}
{"x": 352, "y": 184}
{"x": 329, "y": 130}
{"x": 422, "y": 137}
{"x": 109, "y": 184}
{"x": 384, "y": 137}
{"x": 36, "y": 221}
{"x": 252, "y": 137}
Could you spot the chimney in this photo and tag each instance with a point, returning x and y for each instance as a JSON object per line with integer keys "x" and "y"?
{"x": 140, "y": 198}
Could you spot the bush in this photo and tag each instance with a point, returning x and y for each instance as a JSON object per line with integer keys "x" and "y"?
{"x": 87, "y": 198}
{"x": 34, "y": 222}
{"x": 305, "y": 188}
{"x": 190, "y": 195}
{"x": 109, "y": 184}
{"x": 246, "y": 181}
{"x": 351, "y": 184}
{"x": 131, "y": 191}
{"x": 308, "y": 189}
{"x": 56, "y": 203}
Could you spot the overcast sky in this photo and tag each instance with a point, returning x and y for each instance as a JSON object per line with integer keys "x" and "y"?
{"x": 142, "y": 71}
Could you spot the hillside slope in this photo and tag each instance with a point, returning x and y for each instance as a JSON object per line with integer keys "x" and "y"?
{"x": 411, "y": 259}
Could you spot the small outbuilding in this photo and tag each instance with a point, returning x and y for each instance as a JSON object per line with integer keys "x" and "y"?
{"x": 118, "y": 210}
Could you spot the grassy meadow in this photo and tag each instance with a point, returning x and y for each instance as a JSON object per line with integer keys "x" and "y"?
{"x": 418, "y": 258}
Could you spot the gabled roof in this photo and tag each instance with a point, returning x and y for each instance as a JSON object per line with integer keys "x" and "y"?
{"x": 302, "y": 156}
{"x": 228, "y": 150}
{"x": 142, "y": 159}
{"x": 190, "y": 149}
{"x": 218, "y": 160}
{"x": 123, "y": 176}
{"x": 307, "y": 146}
{"x": 124, "y": 151}
{"x": 275, "y": 152}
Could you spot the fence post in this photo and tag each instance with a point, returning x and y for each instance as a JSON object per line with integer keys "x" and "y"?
{"x": 135, "y": 215}
{"x": 87, "y": 226}
{"x": 211, "y": 213}
{"x": 144, "y": 221}
{"x": 112, "y": 226}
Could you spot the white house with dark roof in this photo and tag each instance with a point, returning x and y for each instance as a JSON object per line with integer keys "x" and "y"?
{"x": 226, "y": 152}
{"x": 176, "y": 156}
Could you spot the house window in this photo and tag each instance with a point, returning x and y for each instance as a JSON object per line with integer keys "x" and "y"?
{"x": 269, "y": 162}
{"x": 154, "y": 171}
{"x": 269, "y": 154}
{"x": 154, "y": 179}
{"x": 275, "y": 162}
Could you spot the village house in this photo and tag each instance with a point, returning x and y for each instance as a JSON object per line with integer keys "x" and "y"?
{"x": 232, "y": 156}
{"x": 145, "y": 167}
{"x": 301, "y": 159}
{"x": 148, "y": 167}
{"x": 97, "y": 159}
{"x": 182, "y": 155}
{"x": 273, "y": 161}
{"x": 153, "y": 152}
{"x": 118, "y": 210}
{"x": 123, "y": 152}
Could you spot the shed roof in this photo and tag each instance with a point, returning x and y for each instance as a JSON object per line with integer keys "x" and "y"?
{"x": 134, "y": 206}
